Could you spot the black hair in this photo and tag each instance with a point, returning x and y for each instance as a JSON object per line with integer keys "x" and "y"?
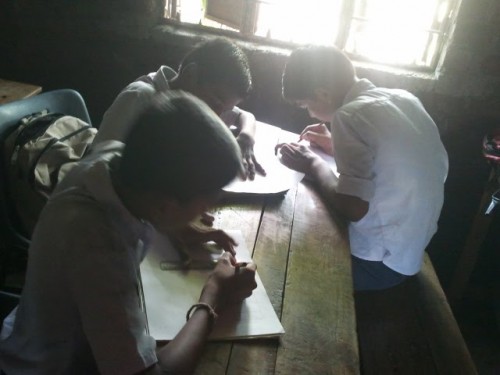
{"x": 314, "y": 67}
{"x": 180, "y": 148}
{"x": 220, "y": 61}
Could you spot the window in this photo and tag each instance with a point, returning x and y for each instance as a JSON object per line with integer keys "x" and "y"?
{"x": 407, "y": 33}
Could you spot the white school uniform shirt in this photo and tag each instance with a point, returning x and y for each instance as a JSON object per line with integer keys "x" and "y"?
{"x": 80, "y": 312}
{"x": 118, "y": 119}
{"x": 389, "y": 153}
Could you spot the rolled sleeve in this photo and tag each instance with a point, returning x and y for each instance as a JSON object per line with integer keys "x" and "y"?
{"x": 354, "y": 156}
{"x": 357, "y": 187}
{"x": 118, "y": 119}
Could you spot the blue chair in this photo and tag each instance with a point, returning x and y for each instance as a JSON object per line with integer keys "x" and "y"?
{"x": 8, "y": 301}
{"x": 13, "y": 242}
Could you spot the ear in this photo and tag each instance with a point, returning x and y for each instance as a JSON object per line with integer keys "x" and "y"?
{"x": 188, "y": 77}
{"x": 323, "y": 95}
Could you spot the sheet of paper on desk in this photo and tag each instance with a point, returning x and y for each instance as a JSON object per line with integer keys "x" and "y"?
{"x": 278, "y": 178}
{"x": 169, "y": 294}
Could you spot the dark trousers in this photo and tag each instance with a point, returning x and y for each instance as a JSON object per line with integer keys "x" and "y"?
{"x": 372, "y": 275}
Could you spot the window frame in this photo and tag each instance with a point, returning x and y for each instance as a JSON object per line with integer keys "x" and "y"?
{"x": 246, "y": 33}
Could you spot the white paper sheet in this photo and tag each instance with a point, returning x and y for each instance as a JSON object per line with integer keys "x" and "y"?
{"x": 278, "y": 178}
{"x": 169, "y": 294}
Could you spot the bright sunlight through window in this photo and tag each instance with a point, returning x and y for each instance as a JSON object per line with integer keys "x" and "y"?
{"x": 409, "y": 33}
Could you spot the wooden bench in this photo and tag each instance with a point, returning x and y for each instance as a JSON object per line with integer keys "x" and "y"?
{"x": 410, "y": 329}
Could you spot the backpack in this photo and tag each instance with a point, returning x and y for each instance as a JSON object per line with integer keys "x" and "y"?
{"x": 39, "y": 153}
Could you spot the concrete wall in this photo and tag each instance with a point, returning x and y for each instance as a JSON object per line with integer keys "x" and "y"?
{"x": 97, "y": 47}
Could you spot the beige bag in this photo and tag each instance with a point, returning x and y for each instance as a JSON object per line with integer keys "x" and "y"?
{"x": 40, "y": 152}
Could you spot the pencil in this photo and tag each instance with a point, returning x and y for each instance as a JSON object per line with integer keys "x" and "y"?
{"x": 239, "y": 265}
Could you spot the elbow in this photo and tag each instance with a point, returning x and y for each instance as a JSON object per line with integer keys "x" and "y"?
{"x": 351, "y": 208}
{"x": 355, "y": 216}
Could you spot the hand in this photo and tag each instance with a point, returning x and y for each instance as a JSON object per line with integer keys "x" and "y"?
{"x": 297, "y": 157}
{"x": 192, "y": 235}
{"x": 227, "y": 285}
{"x": 207, "y": 219}
{"x": 318, "y": 135}
{"x": 250, "y": 164}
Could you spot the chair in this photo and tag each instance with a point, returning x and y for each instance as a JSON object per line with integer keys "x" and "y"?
{"x": 7, "y": 303}
{"x": 13, "y": 243}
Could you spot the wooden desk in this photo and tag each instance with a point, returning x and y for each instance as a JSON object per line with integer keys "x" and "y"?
{"x": 303, "y": 259}
{"x": 11, "y": 91}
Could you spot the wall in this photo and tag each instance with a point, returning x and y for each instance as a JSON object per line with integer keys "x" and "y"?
{"x": 98, "y": 47}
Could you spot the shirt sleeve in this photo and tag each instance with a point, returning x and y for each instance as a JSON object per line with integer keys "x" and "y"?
{"x": 103, "y": 277}
{"x": 354, "y": 155}
{"x": 119, "y": 117}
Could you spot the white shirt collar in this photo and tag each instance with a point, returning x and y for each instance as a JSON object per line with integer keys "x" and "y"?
{"x": 162, "y": 77}
{"x": 356, "y": 89}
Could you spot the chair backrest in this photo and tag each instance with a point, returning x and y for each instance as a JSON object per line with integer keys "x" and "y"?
{"x": 66, "y": 101}
{"x": 8, "y": 301}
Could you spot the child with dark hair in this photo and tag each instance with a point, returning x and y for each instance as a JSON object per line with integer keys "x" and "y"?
{"x": 391, "y": 162}
{"x": 80, "y": 311}
{"x": 216, "y": 71}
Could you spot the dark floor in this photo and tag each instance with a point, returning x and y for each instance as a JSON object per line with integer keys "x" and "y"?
{"x": 479, "y": 320}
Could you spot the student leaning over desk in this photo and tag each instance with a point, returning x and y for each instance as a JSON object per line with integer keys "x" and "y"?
{"x": 391, "y": 162}
{"x": 216, "y": 71}
{"x": 80, "y": 308}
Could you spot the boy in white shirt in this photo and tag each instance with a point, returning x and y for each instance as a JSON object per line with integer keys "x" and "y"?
{"x": 389, "y": 154}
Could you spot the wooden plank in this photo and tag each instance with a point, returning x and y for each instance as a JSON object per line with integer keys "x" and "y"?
{"x": 270, "y": 255}
{"x": 11, "y": 91}
{"x": 390, "y": 336}
{"x": 242, "y": 213}
{"x": 318, "y": 312}
{"x": 410, "y": 329}
{"x": 448, "y": 347}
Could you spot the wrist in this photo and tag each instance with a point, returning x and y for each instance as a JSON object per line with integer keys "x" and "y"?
{"x": 245, "y": 139}
{"x": 210, "y": 293}
{"x": 212, "y": 315}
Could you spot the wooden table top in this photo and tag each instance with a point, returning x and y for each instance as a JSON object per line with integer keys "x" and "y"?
{"x": 11, "y": 90}
{"x": 303, "y": 259}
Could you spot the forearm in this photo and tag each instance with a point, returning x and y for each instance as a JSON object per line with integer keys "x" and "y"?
{"x": 247, "y": 125}
{"x": 326, "y": 181}
{"x": 181, "y": 355}
{"x": 350, "y": 207}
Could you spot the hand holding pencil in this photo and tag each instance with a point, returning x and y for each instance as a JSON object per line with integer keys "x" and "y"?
{"x": 230, "y": 282}
{"x": 318, "y": 135}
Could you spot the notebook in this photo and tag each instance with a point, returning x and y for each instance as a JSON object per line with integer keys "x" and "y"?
{"x": 168, "y": 294}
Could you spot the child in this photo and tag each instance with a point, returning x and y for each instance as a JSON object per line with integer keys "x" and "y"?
{"x": 217, "y": 72}
{"x": 391, "y": 161}
{"x": 80, "y": 308}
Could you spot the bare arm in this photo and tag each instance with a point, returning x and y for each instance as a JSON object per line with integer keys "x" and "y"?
{"x": 224, "y": 286}
{"x": 246, "y": 139}
{"x": 349, "y": 206}
{"x": 302, "y": 159}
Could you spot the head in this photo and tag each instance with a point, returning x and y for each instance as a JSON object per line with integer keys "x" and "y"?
{"x": 178, "y": 156}
{"x": 318, "y": 78}
{"x": 216, "y": 71}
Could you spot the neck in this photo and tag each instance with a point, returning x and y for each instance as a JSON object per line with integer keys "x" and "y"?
{"x": 134, "y": 202}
